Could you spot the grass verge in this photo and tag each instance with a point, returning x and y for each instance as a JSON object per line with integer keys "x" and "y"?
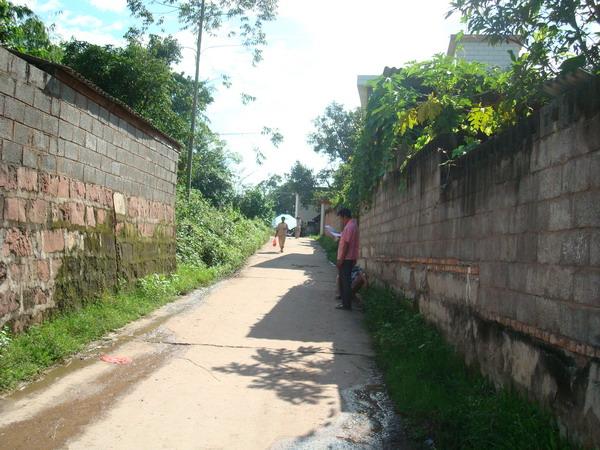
{"x": 25, "y": 356}
{"x": 438, "y": 396}
{"x": 329, "y": 245}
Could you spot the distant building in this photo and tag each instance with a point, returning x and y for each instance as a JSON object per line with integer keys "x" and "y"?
{"x": 470, "y": 47}
{"x": 473, "y": 47}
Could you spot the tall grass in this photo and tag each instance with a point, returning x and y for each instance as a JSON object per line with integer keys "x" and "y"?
{"x": 439, "y": 397}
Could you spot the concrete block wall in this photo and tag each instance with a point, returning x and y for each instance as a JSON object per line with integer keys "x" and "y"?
{"x": 501, "y": 252}
{"x": 87, "y": 192}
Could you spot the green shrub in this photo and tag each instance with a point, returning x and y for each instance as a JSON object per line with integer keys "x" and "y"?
{"x": 214, "y": 237}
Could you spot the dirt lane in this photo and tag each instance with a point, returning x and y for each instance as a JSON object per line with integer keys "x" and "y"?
{"x": 263, "y": 360}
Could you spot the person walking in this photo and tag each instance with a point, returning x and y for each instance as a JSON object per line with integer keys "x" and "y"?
{"x": 346, "y": 257}
{"x": 298, "y": 229}
{"x": 281, "y": 233}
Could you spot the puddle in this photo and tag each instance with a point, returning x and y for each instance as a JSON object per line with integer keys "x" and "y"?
{"x": 151, "y": 331}
{"x": 368, "y": 421}
{"x": 54, "y": 426}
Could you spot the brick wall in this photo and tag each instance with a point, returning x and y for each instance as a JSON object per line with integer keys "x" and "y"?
{"x": 502, "y": 252}
{"x": 87, "y": 191}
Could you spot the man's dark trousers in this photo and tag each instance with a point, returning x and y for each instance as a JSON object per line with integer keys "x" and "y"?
{"x": 345, "y": 273}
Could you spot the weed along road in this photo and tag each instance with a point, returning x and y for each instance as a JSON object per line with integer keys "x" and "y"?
{"x": 262, "y": 360}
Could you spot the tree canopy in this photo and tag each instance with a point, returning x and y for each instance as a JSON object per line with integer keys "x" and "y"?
{"x": 249, "y": 15}
{"x": 336, "y": 132}
{"x": 557, "y": 34}
{"x": 22, "y": 30}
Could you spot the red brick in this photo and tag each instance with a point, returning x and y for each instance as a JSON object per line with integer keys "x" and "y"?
{"x": 17, "y": 242}
{"x": 27, "y": 179}
{"x": 8, "y": 303}
{"x": 77, "y": 189}
{"x": 74, "y": 213}
{"x": 43, "y": 270}
{"x": 90, "y": 219}
{"x": 38, "y": 211}
{"x": 63, "y": 187}
{"x": 133, "y": 207}
{"x": 14, "y": 209}
{"x": 100, "y": 216}
{"x": 93, "y": 193}
{"x": 55, "y": 265}
{"x": 49, "y": 184}
{"x": 8, "y": 177}
{"x": 108, "y": 198}
{"x": 53, "y": 241}
{"x": 17, "y": 272}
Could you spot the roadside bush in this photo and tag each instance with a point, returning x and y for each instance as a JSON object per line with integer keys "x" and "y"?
{"x": 214, "y": 237}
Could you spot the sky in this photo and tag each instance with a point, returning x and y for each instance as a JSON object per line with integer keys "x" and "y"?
{"x": 315, "y": 51}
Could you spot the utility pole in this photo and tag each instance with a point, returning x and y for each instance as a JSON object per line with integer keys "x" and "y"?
{"x": 194, "y": 103}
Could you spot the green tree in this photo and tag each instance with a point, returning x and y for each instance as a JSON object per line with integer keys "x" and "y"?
{"x": 301, "y": 180}
{"x": 256, "y": 203}
{"x": 249, "y": 16}
{"x": 211, "y": 173}
{"x": 336, "y": 132}
{"x": 140, "y": 75}
{"x": 556, "y": 33}
{"x": 22, "y": 30}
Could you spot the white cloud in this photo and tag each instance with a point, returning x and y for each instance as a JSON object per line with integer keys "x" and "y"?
{"x": 109, "y": 5}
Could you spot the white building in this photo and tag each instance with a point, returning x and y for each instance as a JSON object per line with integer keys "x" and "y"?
{"x": 469, "y": 47}
{"x": 473, "y": 47}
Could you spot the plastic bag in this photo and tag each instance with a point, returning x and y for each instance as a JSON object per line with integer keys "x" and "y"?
{"x": 274, "y": 242}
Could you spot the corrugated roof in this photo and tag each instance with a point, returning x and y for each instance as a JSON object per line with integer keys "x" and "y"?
{"x": 57, "y": 68}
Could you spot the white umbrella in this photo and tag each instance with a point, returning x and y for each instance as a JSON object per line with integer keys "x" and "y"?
{"x": 290, "y": 220}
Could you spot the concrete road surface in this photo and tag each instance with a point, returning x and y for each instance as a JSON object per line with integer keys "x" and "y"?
{"x": 261, "y": 360}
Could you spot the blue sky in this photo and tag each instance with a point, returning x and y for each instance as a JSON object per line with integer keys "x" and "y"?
{"x": 316, "y": 50}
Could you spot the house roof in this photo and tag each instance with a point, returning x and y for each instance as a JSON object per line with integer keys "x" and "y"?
{"x": 81, "y": 84}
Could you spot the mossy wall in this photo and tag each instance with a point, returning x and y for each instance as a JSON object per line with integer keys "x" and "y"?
{"x": 87, "y": 191}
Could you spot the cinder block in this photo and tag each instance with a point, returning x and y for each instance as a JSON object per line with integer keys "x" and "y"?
{"x": 48, "y": 163}
{"x": 30, "y": 158}
{"x": 12, "y": 152}
{"x": 42, "y": 102}
{"x": 37, "y": 77}
{"x": 33, "y": 117}
{"x": 81, "y": 101}
{"x": 527, "y": 247}
{"x": 97, "y": 128}
{"x": 586, "y": 206}
{"x": 14, "y": 109}
{"x": 18, "y": 68}
{"x": 595, "y": 248}
{"x": 587, "y": 287}
{"x": 550, "y": 182}
{"x": 7, "y": 84}
{"x": 576, "y": 175}
{"x": 6, "y": 128}
{"x": 549, "y": 247}
{"x": 575, "y": 248}
{"x": 560, "y": 215}
{"x": 85, "y": 122}
{"x": 73, "y": 169}
{"x": 79, "y": 136}
{"x": 67, "y": 94}
{"x": 91, "y": 141}
{"x": 25, "y": 93}
{"x": 50, "y": 124}
{"x": 587, "y": 139}
{"x": 65, "y": 130}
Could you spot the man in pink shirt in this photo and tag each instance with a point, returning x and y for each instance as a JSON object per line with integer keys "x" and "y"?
{"x": 346, "y": 257}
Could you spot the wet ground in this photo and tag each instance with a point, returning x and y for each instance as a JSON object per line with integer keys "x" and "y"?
{"x": 262, "y": 360}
